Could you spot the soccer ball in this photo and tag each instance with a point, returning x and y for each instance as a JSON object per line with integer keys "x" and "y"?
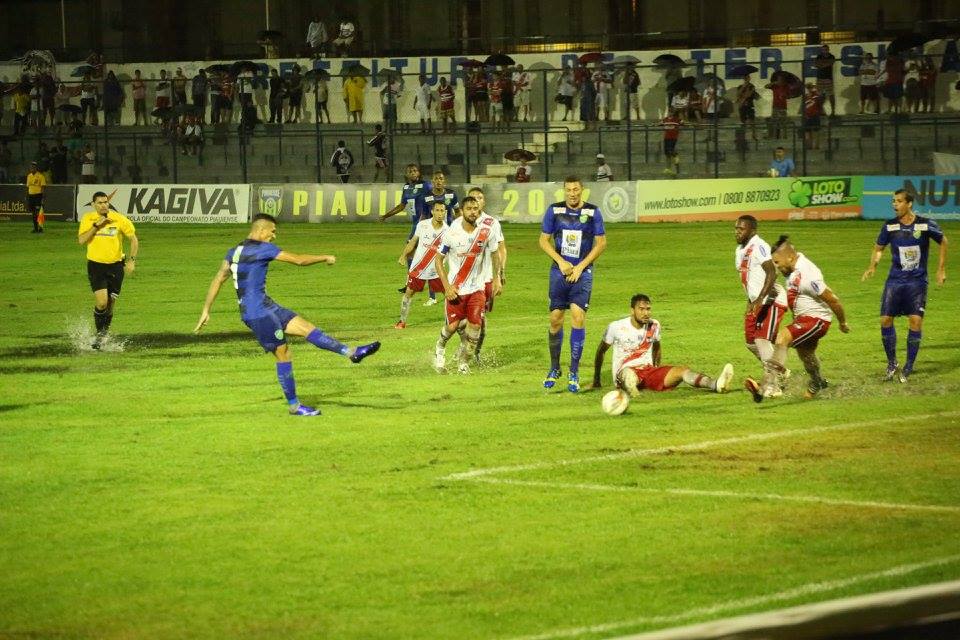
{"x": 615, "y": 402}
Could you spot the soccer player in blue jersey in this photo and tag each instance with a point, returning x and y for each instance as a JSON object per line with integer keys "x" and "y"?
{"x": 438, "y": 193}
{"x": 271, "y": 323}
{"x": 572, "y": 235}
{"x": 905, "y": 292}
{"x": 412, "y": 188}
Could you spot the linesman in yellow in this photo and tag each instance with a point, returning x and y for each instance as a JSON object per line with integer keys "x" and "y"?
{"x": 35, "y": 184}
{"x": 102, "y": 231}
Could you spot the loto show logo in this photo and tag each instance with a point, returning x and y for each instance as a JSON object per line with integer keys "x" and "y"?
{"x": 812, "y": 193}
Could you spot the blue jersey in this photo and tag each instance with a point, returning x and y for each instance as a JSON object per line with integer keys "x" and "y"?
{"x": 573, "y": 230}
{"x": 426, "y": 199}
{"x": 411, "y": 191}
{"x": 248, "y": 262}
{"x": 909, "y": 247}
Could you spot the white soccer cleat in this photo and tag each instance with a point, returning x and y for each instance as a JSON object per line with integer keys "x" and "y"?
{"x": 723, "y": 380}
{"x": 440, "y": 360}
{"x": 772, "y": 391}
{"x": 430, "y": 301}
{"x": 463, "y": 368}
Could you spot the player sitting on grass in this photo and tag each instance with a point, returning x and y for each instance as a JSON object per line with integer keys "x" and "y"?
{"x": 270, "y": 323}
{"x": 426, "y": 240}
{"x": 636, "y": 356}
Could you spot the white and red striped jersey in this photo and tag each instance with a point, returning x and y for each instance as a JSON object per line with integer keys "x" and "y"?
{"x": 804, "y": 288}
{"x": 429, "y": 240}
{"x": 467, "y": 252}
{"x": 498, "y": 231}
{"x": 632, "y": 347}
{"x": 748, "y": 260}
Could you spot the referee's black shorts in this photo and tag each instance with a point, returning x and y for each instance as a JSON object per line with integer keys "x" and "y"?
{"x": 35, "y": 202}
{"x": 105, "y": 276}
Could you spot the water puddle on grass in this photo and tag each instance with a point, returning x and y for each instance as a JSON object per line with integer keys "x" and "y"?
{"x": 82, "y": 336}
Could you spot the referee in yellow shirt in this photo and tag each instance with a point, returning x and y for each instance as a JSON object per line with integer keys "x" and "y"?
{"x": 102, "y": 232}
{"x": 35, "y": 184}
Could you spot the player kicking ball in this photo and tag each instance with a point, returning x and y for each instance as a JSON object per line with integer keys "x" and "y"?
{"x": 247, "y": 263}
{"x": 636, "y": 356}
{"x": 424, "y": 246}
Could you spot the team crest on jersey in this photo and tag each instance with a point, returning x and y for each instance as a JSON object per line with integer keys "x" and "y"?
{"x": 917, "y": 233}
{"x": 278, "y": 334}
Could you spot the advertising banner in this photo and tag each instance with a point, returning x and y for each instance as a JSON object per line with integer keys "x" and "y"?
{"x": 57, "y": 202}
{"x": 823, "y": 198}
{"x": 937, "y": 197}
{"x": 510, "y": 202}
{"x": 168, "y": 203}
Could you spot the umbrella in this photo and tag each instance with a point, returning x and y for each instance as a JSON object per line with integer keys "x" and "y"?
{"x": 593, "y": 56}
{"x": 902, "y": 44}
{"x": 82, "y": 70}
{"x": 516, "y": 155}
{"x": 793, "y": 82}
{"x": 742, "y": 70}
{"x": 707, "y": 79}
{"x": 356, "y": 70}
{"x": 243, "y": 65}
{"x": 471, "y": 63}
{"x": 388, "y": 73}
{"x": 70, "y": 108}
{"x": 626, "y": 59}
{"x": 317, "y": 74}
{"x": 668, "y": 60}
{"x": 685, "y": 83}
{"x": 499, "y": 60}
{"x": 270, "y": 35}
{"x": 218, "y": 68}
{"x": 164, "y": 113}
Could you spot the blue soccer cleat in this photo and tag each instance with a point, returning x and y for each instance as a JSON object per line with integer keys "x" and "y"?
{"x": 551, "y": 380}
{"x": 363, "y": 351}
{"x": 304, "y": 410}
{"x": 573, "y": 382}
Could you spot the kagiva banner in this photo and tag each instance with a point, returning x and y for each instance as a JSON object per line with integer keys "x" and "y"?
{"x": 510, "y": 202}
{"x": 57, "y": 202}
{"x": 200, "y": 203}
{"x": 937, "y": 197}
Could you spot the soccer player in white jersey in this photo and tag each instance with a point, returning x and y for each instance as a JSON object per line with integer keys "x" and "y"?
{"x": 467, "y": 245}
{"x": 424, "y": 245}
{"x": 477, "y": 193}
{"x": 813, "y": 305}
{"x": 636, "y": 356}
{"x": 766, "y": 300}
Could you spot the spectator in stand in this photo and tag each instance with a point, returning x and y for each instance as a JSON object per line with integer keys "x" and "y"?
{"x": 680, "y": 103}
{"x": 164, "y": 94}
{"x": 671, "y": 134}
{"x": 58, "y": 164}
{"x": 322, "y": 91}
{"x": 523, "y": 173}
{"x": 36, "y": 104}
{"x": 179, "y": 83}
{"x": 712, "y": 95}
{"x": 778, "y": 113}
{"x": 422, "y": 102}
{"x": 631, "y": 87}
{"x": 192, "y": 140}
{"x": 245, "y": 88}
{"x": 379, "y": 144}
{"x": 522, "y": 84}
{"x": 317, "y": 37}
{"x": 342, "y": 161}
{"x": 139, "y": 90}
{"x": 88, "y": 173}
{"x": 602, "y": 86}
{"x": 112, "y": 99}
{"x": 345, "y": 36}
{"x": 6, "y": 161}
{"x": 812, "y": 110}
{"x": 42, "y": 160}
{"x": 227, "y": 90}
{"x": 911, "y": 87}
{"x": 782, "y": 166}
{"x": 868, "y": 83}
{"x": 353, "y": 95}
{"x": 75, "y": 139}
{"x": 95, "y": 60}
{"x": 199, "y": 86}
{"x": 479, "y": 97}
{"x": 506, "y": 97}
{"x": 604, "y": 173}
{"x": 216, "y": 98}
{"x": 21, "y": 109}
{"x": 389, "y": 96}
{"x": 495, "y": 93}
{"x": 695, "y": 107}
{"x": 824, "y": 64}
{"x": 276, "y": 97}
{"x": 928, "y": 85}
{"x": 891, "y": 73}
{"x": 746, "y": 96}
{"x": 566, "y": 90}
{"x": 447, "y": 97}
{"x": 588, "y": 98}
{"x": 48, "y": 92}
{"x": 62, "y": 98}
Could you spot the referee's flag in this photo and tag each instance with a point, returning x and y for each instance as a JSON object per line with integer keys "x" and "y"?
{"x": 41, "y": 218}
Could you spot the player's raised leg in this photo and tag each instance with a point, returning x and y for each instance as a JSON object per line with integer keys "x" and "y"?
{"x": 298, "y": 326}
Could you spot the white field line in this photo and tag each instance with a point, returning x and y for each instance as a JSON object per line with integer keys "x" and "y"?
{"x": 744, "y": 603}
{"x": 694, "y": 446}
{"x": 579, "y": 486}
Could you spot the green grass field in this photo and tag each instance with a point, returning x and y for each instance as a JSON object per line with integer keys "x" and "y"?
{"x": 161, "y": 491}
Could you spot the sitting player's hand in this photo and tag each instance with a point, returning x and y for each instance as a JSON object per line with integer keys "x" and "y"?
{"x": 204, "y": 319}
{"x": 844, "y": 327}
{"x": 402, "y": 261}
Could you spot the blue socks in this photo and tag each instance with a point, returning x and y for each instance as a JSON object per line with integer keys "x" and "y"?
{"x": 888, "y": 336}
{"x": 555, "y": 340}
{"x": 913, "y": 348}
{"x": 321, "y": 340}
{"x": 287, "y": 383}
{"x": 577, "y": 338}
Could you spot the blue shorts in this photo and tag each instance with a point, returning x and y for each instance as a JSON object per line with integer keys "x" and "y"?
{"x": 903, "y": 298}
{"x": 268, "y": 329}
{"x": 563, "y": 293}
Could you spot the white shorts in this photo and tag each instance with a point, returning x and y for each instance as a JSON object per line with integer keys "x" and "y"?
{"x": 522, "y": 99}
{"x": 424, "y": 111}
{"x": 496, "y": 107}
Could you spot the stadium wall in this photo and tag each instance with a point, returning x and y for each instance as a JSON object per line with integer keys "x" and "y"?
{"x": 796, "y": 59}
